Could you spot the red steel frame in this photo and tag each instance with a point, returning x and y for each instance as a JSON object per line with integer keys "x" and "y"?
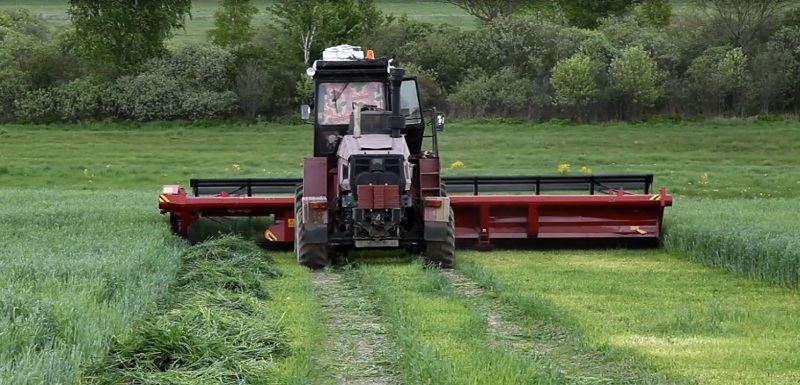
{"x": 482, "y": 218}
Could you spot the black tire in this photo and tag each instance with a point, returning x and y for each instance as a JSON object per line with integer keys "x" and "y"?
{"x": 311, "y": 255}
{"x": 443, "y": 253}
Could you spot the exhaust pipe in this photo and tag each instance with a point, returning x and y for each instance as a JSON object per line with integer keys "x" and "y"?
{"x": 397, "y": 122}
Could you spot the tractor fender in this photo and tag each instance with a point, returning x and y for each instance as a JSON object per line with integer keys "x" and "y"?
{"x": 316, "y": 233}
{"x": 436, "y": 231}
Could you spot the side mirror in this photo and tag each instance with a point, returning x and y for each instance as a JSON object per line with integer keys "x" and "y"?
{"x": 305, "y": 112}
{"x": 439, "y": 124}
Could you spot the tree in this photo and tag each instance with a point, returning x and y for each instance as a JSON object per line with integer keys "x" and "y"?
{"x": 118, "y": 35}
{"x": 233, "y": 23}
{"x": 589, "y": 13}
{"x": 657, "y": 13}
{"x": 314, "y": 24}
{"x": 743, "y": 19}
{"x": 574, "y": 83}
{"x": 635, "y": 78}
{"x": 488, "y": 10}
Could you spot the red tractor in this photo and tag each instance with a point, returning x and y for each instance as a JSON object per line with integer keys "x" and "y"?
{"x": 370, "y": 184}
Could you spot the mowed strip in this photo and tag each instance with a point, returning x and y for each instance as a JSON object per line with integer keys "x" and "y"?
{"x": 293, "y": 298}
{"x": 656, "y": 310}
{"x": 549, "y": 343}
{"x": 440, "y": 337}
{"x": 355, "y": 350}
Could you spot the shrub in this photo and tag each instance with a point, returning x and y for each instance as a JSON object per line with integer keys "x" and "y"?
{"x": 207, "y": 104}
{"x": 504, "y": 93}
{"x": 624, "y": 32}
{"x": 439, "y": 55}
{"x": 79, "y": 100}
{"x": 717, "y": 77}
{"x": 635, "y": 79}
{"x": 196, "y": 66}
{"x": 149, "y": 96}
{"x": 528, "y": 43}
{"x": 36, "y": 106}
{"x": 574, "y": 83}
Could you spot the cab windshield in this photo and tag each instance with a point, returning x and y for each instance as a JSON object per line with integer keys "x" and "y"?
{"x": 335, "y": 100}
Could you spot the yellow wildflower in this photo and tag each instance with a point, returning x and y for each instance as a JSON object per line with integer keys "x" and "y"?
{"x": 457, "y": 164}
{"x": 563, "y": 168}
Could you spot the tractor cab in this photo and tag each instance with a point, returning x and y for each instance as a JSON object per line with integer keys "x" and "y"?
{"x": 350, "y": 82}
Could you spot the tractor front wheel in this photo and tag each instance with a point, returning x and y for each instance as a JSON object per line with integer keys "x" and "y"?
{"x": 311, "y": 255}
{"x": 443, "y": 253}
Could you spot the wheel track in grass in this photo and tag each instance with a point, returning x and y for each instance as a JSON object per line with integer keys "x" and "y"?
{"x": 356, "y": 350}
{"x": 547, "y": 343}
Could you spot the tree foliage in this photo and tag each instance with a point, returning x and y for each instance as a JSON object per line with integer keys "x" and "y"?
{"x": 574, "y": 81}
{"x": 233, "y": 23}
{"x": 589, "y": 13}
{"x": 488, "y": 10}
{"x": 656, "y": 13}
{"x": 314, "y": 24}
{"x": 118, "y": 35}
{"x": 743, "y": 20}
{"x": 635, "y": 78}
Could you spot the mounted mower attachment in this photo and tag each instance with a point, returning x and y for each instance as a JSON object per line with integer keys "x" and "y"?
{"x": 533, "y": 209}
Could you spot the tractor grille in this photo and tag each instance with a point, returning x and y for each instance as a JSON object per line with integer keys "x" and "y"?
{"x": 379, "y": 196}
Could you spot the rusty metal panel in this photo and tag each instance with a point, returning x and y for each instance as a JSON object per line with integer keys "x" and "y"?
{"x": 365, "y": 197}
{"x": 315, "y": 177}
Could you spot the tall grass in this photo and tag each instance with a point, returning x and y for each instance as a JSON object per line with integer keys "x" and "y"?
{"x": 757, "y": 238}
{"x": 76, "y": 269}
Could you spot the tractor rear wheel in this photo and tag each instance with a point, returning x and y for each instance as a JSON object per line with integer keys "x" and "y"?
{"x": 443, "y": 253}
{"x": 311, "y": 255}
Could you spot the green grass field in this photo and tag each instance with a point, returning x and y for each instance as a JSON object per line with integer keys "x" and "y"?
{"x": 79, "y": 203}
{"x": 86, "y": 261}
{"x": 203, "y": 14}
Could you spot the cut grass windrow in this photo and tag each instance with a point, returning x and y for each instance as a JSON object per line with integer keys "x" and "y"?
{"x": 545, "y": 340}
{"x": 440, "y": 337}
{"x": 356, "y": 349}
{"x": 757, "y": 238}
{"x": 214, "y": 326}
{"x": 655, "y": 310}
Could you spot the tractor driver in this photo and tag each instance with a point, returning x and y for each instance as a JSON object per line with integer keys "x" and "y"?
{"x": 336, "y": 100}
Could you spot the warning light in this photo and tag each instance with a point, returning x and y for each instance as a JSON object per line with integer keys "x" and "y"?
{"x": 370, "y": 54}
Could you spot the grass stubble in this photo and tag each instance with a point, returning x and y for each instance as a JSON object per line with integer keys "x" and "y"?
{"x": 357, "y": 350}
{"x": 441, "y": 339}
